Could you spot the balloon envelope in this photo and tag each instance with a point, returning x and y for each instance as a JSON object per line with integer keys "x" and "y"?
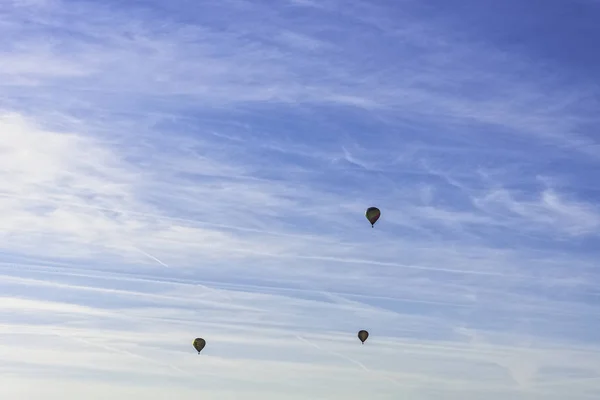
{"x": 363, "y": 335}
{"x": 373, "y": 215}
{"x": 199, "y": 344}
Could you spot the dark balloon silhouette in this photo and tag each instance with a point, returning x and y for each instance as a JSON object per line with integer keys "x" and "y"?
{"x": 373, "y": 215}
{"x": 199, "y": 344}
{"x": 363, "y": 335}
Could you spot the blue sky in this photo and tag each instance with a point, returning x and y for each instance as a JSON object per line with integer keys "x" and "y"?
{"x": 182, "y": 169}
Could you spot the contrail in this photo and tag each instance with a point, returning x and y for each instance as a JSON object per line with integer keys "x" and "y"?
{"x": 396, "y": 265}
{"x": 165, "y": 265}
{"x": 333, "y": 353}
{"x": 362, "y": 261}
{"x": 357, "y": 305}
{"x": 361, "y": 365}
{"x": 150, "y": 256}
{"x": 120, "y": 351}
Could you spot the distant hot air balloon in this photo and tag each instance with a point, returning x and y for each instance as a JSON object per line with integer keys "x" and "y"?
{"x": 373, "y": 215}
{"x": 199, "y": 344}
{"x": 363, "y": 335}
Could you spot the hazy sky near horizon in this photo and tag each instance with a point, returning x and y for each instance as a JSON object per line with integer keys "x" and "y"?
{"x": 181, "y": 169}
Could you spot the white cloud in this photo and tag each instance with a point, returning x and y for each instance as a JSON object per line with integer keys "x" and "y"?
{"x": 127, "y": 345}
{"x": 549, "y": 210}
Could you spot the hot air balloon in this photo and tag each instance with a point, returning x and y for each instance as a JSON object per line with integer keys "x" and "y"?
{"x": 199, "y": 344}
{"x": 373, "y": 215}
{"x": 363, "y": 335}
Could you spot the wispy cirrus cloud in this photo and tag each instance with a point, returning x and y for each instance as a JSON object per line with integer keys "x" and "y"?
{"x": 172, "y": 170}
